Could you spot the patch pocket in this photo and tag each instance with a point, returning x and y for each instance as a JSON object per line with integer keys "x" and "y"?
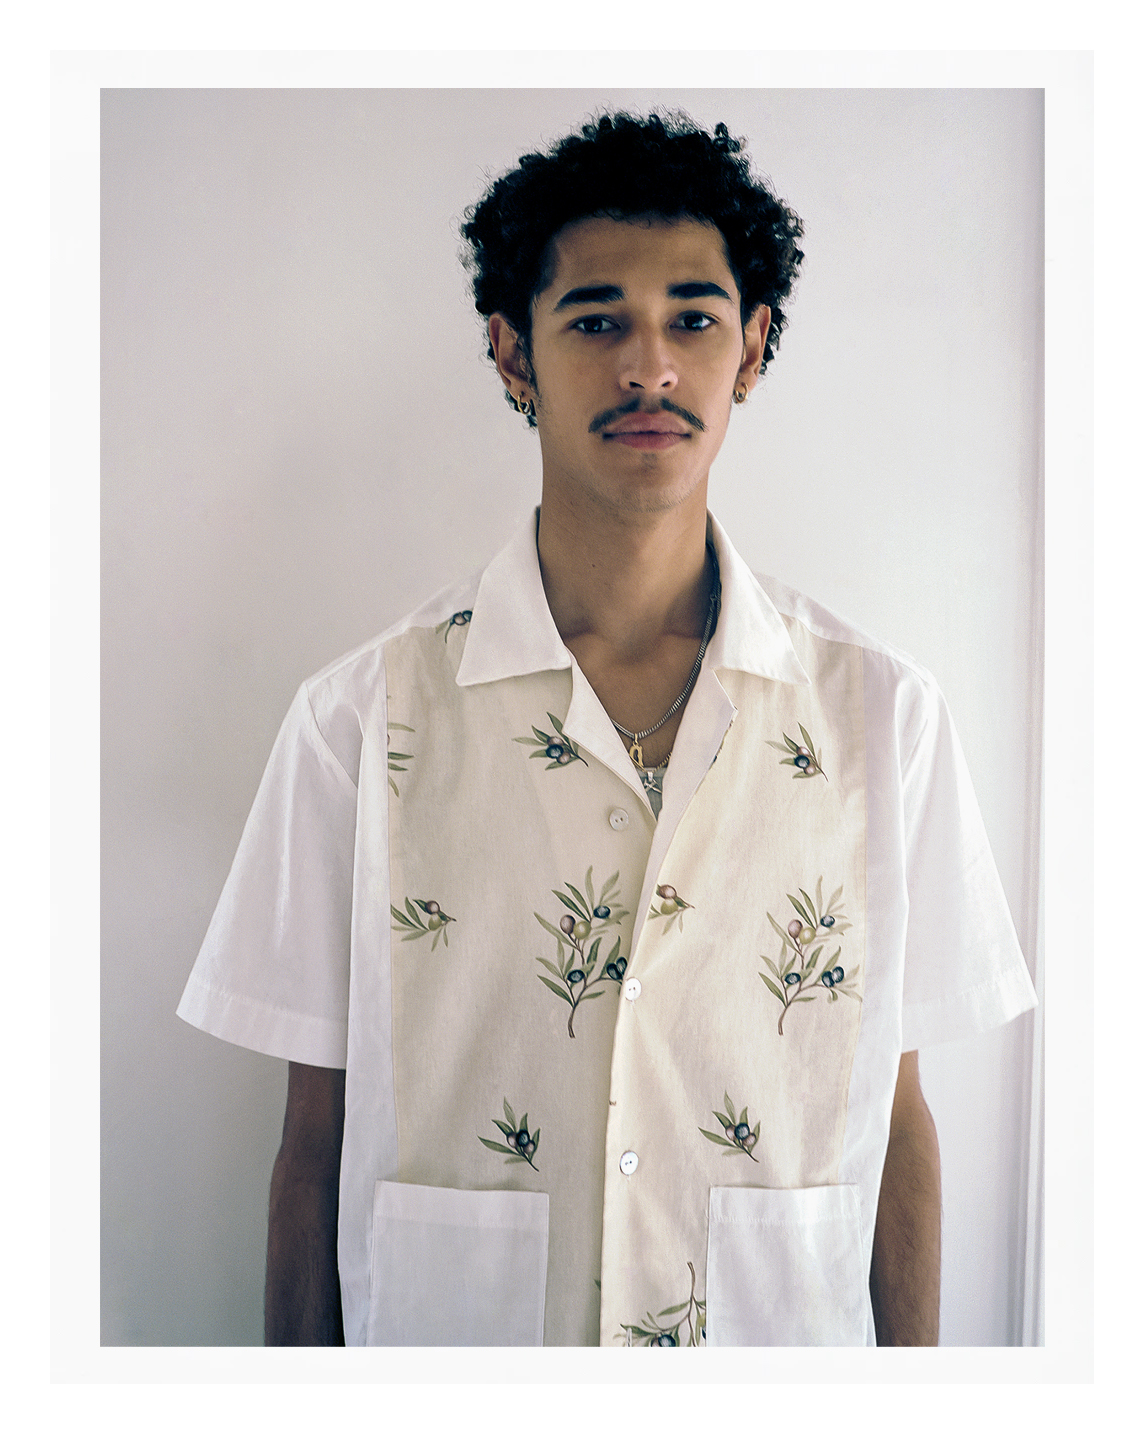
{"x": 457, "y": 1267}
{"x": 784, "y": 1267}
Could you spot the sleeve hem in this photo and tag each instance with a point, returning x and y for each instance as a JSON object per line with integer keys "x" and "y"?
{"x": 269, "y": 1030}
{"x": 968, "y": 1013}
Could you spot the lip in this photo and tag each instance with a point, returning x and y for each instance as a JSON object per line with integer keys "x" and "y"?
{"x": 653, "y": 438}
{"x": 649, "y": 431}
{"x": 643, "y": 423}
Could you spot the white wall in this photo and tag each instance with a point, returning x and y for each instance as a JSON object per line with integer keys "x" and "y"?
{"x": 301, "y": 438}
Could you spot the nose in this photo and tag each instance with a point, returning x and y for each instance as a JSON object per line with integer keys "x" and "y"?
{"x": 647, "y": 363}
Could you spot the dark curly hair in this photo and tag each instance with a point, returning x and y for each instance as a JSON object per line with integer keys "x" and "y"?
{"x": 623, "y": 167}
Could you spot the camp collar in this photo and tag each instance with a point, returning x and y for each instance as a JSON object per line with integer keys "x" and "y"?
{"x": 512, "y": 632}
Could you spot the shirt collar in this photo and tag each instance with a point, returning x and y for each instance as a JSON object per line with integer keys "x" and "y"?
{"x": 512, "y": 633}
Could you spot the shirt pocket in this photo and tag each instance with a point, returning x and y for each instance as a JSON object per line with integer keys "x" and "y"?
{"x": 457, "y": 1267}
{"x": 784, "y": 1267}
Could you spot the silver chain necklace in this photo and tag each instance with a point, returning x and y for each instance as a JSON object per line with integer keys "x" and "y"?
{"x": 635, "y": 751}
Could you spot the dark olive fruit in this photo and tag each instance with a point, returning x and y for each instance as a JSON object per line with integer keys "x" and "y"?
{"x": 827, "y": 978}
{"x": 802, "y": 762}
{"x": 575, "y": 977}
{"x": 666, "y": 1339}
{"x": 622, "y": 964}
{"x": 827, "y": 921}
{"x": 566, "y": 924}
{"x": 838, "y": 973}
{"x": 612, "y": 970}
{"x": 602, "y": 913}
{"x": 554, "y": 750}
{"x": 742, "y": 1131}
{"x": 792, "y": 978}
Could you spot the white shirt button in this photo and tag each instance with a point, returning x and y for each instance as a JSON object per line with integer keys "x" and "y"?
{"x": 628, "y": 1162}
{"x": 618, "y": 819}
{"x": 632, "y": 988}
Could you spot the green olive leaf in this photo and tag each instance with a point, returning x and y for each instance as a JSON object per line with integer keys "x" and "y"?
{"x": 778, "y": 928}
{"x": 550, "y": 928}
{"x": 560, "y": 991}
{"x": 492, "y": 1145}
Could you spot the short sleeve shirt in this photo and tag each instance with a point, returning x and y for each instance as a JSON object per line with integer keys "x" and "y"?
{"x": 610, "y": 1079}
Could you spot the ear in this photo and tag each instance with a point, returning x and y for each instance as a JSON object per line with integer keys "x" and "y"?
{"x": 510, "y": 362}
{"x": 754, "y": 343}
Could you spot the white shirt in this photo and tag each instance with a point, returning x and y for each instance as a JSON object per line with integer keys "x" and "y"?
{"x": 453, "y": 885}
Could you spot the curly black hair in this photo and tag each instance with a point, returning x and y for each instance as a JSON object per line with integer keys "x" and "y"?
{"x": 620, "y": 166}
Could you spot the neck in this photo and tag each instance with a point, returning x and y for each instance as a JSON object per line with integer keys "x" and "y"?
{"x": 628, "y": 581}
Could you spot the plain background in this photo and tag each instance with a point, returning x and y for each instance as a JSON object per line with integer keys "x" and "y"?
{"x": 302, "y": 439}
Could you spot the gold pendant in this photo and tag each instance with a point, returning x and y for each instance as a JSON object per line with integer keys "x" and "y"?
{"x": 636, "y": 754}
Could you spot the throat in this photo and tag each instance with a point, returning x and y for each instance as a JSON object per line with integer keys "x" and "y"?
{"x": 641, "y": 694}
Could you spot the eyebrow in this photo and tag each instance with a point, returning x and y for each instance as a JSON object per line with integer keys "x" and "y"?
{"x": 612, "y": 293}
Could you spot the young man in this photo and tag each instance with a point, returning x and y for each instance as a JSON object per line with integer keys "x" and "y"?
{"x": 600, "y": 907}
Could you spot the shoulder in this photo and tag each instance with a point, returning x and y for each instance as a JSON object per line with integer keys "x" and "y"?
{"x": 341, "y": 697}
{"x": 896, "y": 683}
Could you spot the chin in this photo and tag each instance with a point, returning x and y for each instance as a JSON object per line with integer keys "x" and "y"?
{"x": 658, "y": 497}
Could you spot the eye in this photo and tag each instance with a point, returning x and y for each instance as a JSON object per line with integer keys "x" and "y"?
{"x": 695, "y": 323}
{"x": 595, "y": 324}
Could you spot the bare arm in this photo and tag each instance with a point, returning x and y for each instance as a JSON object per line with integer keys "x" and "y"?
{"x": 303, "y": 1296}
{"x": 905, "y": 1276}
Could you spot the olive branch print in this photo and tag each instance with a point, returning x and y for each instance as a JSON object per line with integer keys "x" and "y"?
{"x": 521, "y": 1144}
{"x": 560, "y": 750}
{"x": 800, "y": 954}
{"x": 803, "y": 758}
{"x": 579, "y": 936}
{"x": 410, "y": 923}
{"x": 737, "y": 1133}
{"x": 396, "y": 757}
{"x": 459, "y": 619}
{"x": 672, "y": 906}
{"x": 692, "y": 1313}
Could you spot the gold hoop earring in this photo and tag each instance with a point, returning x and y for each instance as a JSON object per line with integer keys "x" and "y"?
{"x": 740, "y": 395}
{"x": 524, "y": 405}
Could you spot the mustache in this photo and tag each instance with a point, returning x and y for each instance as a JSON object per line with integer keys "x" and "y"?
{"x": 665, "y": 405}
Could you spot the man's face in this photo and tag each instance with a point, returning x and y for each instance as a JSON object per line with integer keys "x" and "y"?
{"x": 637, "y": 347}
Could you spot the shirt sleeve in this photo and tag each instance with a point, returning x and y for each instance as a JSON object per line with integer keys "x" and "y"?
{"x": 273, "y": 971}
{"x": 964, "y": 970}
